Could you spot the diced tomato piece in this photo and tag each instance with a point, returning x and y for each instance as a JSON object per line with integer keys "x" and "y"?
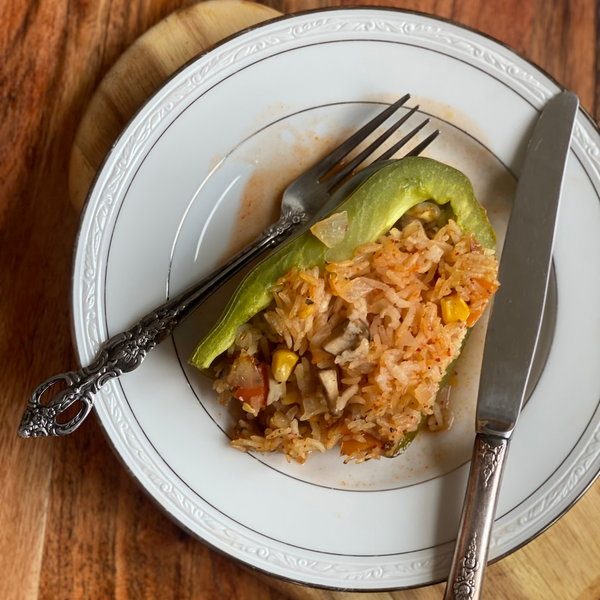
{"x": 488, "y": 286}
{"x": 474, "y": 316}
{"x": 349, "y": 447}
{"x": 265, "y": 375}
{"x": 256, "y": 397}
{"x": 247, "y": 394}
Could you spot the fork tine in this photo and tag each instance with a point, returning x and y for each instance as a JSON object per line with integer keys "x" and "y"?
{"x": 389, "y": 153}
{"x": 332, "y": 159}
{"x": 420, "y": 147}
{"x": 348, "y": 168}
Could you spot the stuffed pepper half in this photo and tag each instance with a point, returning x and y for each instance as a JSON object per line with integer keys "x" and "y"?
{"x": 348, "y": 334}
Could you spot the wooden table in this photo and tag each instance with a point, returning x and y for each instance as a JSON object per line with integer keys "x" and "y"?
{"x": 73, "y": 523}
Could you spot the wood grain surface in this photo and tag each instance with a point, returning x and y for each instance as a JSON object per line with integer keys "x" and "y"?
{"x": 142, "y": 68}
{"x": 73, "y": 523}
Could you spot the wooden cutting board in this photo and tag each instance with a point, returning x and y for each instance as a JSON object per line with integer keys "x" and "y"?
{"x": 142, "y": 68}
{"x": 532, "y": 572}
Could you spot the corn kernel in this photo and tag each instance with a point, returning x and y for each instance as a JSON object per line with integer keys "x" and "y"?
{"x": 283, "y": 363}
{"x": 306, "y": 310}
{"x": 248, "y": 408}
{"x": 454, "y": 309}
{"x": 291, "y": 397}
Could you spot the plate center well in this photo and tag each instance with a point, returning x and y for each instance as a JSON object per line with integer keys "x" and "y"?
{"x": 243, "y": 191}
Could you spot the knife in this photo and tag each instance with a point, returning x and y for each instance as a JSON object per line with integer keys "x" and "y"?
{"x": 512, "y": 336}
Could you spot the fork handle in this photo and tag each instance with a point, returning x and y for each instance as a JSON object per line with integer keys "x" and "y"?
{"x": 189, "y": 300}
{"x": 125, "y": 351}
{"x": 470, "y": 554}
{"x": 122, "y": 353}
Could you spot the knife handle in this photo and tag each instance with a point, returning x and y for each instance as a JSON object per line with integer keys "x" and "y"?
{"x": 470, "y": 554}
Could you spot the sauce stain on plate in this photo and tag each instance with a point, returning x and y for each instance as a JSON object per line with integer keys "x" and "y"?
{"x": 278, "y": 157}
{"x": 280, "y": 153}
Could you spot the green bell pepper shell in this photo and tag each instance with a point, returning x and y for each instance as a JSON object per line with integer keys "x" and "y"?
{"x": 375, "y": 199}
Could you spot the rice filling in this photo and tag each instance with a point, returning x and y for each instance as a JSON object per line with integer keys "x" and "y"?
{"x": 354, "y": 355}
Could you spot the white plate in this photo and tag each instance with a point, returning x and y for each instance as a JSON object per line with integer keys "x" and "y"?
{"x": 214, "y": 145}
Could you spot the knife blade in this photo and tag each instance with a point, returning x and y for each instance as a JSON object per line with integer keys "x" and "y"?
{"x": 516, "y": 317}
{"x": 512, "y": 335}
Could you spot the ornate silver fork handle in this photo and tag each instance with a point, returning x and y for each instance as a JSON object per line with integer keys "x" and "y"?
{"x": 305, "y": 199}
{"x": 125, "y": 351}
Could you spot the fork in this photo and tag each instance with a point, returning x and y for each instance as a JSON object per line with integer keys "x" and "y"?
{"x": 303, "y": 203}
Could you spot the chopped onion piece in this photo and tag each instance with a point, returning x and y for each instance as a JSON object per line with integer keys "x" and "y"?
{"x": 244, "y": 373}
{"x": 332, "y": 230}
{"x": 314, "y": 404}
{"x": 357, "y": 288}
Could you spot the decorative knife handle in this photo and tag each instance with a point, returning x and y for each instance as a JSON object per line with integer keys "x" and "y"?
{"x": 470, "y": 555}
{"x": 122, "y": 353}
